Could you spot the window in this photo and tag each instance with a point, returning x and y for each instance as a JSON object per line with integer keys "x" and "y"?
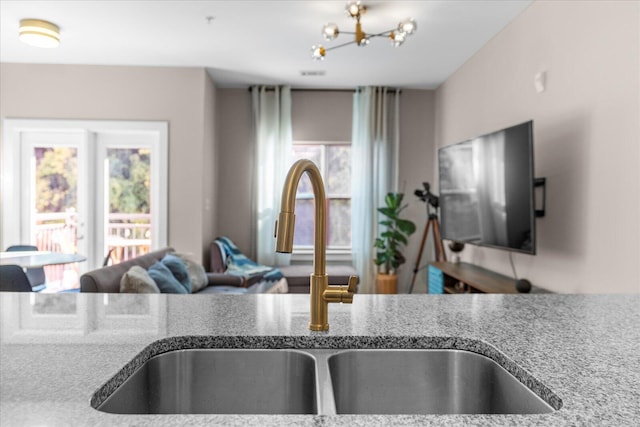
{"x": 334, "y": 161}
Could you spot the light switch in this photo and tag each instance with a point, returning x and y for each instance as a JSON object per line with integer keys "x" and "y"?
{"x": 540, "y": 81}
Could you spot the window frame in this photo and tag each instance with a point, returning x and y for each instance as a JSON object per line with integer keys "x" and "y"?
{"x": 333, "y": 253}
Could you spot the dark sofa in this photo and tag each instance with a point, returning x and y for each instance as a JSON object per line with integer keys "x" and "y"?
{"x": 107, "y": 279}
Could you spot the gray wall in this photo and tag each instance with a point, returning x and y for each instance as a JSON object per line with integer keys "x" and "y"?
{"x": 586, "y": 136}
{"x": 234, "y": 167}
{"x": 417, "y": 165}
{"x": 321, "y": 116}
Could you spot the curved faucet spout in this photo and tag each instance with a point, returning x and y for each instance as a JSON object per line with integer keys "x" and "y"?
{"x": 286, "y": 219}
{"x": 321, "y": 292}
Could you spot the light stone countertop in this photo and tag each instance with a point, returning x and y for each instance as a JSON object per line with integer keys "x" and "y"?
{"x": 56, "y": 350}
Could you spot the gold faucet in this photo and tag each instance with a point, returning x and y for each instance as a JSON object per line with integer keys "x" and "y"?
{"x": 321, "y": 292}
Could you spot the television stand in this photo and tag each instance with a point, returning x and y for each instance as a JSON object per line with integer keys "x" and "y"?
{"x": 468, "y": 278}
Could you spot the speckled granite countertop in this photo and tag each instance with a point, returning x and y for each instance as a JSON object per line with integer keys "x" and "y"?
{"x": 56, "y": 350}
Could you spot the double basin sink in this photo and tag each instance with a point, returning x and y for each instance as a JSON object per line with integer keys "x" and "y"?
{"x": 320, "y": 381}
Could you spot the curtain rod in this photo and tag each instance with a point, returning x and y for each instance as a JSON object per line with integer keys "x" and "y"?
{"x": 325, "y": 90}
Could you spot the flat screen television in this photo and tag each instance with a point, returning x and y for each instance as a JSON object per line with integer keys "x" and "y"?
{"x": 486, "y": 189}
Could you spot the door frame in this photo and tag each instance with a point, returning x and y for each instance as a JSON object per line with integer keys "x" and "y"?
{"x": 12, "y": 176}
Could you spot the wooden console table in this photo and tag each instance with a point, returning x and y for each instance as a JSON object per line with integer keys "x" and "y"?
{"x": 469, "y": 278}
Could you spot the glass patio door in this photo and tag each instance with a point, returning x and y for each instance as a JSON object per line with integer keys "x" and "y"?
{"x": 125, "y": 211}
{"x": 54, "y": 200}
{"x": 86, "y": 187}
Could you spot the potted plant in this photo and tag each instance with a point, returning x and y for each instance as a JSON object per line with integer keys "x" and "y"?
{"x": 392, "y": 238}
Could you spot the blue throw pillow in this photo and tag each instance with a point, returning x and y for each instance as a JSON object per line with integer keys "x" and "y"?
{"x": 165, "y": 280}
{"x": 179, "y": 270}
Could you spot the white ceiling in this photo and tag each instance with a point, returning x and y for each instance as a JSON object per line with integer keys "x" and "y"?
{"x": 262, "y": 42}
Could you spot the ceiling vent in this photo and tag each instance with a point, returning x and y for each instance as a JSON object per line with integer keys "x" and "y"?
{"x": 314, "y": 73}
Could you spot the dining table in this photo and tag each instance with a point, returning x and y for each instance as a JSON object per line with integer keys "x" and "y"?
{"x": 34, "y": 259}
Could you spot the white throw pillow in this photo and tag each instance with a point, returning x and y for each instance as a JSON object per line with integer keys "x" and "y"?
{"x": 138, "y": 281}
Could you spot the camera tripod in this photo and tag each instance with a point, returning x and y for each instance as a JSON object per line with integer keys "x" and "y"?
{"x": 432, "y": 222}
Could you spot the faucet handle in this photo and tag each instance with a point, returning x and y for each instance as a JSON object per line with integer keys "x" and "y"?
{"x": 353, "y": 284}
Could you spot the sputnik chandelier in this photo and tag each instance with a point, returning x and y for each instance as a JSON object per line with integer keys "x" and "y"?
{"x": 355, "y": 10}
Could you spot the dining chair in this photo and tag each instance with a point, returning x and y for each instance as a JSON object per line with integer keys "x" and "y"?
{"x": 14, "y": 279}
{"x": 36, "y": 275}
{"x": 107, "y": 258}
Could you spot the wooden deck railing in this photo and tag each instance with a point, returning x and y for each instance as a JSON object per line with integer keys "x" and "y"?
{"x": 129, "y": 235}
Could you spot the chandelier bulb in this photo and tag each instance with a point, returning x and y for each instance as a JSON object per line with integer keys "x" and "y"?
{"x": 330, "y": 31}
{"x": 407, "y": 26}
{"x": 318, "y": 52}
{"x": 397, "y": 38}
{"x": 354, "y": 9}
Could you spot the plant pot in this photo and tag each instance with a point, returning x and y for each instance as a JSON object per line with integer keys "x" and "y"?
{"x": 387, "y": 283}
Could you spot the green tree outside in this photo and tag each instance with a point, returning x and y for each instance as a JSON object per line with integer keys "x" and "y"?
{"x": 57, "y": 176}
{"x": 56, "y": 179}
{"x": 129, "y": 180}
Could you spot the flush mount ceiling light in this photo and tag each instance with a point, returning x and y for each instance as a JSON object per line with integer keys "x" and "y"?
{"x": 39, "y": 33}
{"x": 355, "y": 10}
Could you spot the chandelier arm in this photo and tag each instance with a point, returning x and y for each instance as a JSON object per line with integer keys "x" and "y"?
{"x": 382, "y": 34}
{"x": 340, "y": 45}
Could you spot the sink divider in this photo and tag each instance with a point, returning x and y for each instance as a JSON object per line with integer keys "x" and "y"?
{"x": 324, "y": 386}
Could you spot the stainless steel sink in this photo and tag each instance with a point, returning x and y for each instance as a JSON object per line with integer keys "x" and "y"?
{"x": 427, "y": 382}
{"x": 216, "y": 381}
{"x": 320, "y": 381}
